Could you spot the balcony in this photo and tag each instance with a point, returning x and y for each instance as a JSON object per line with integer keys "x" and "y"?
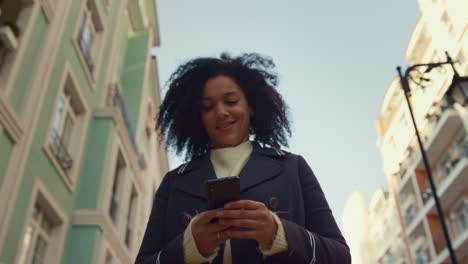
{"x": 443, "y": 122}
{"x": 459, "y": 244}
{"x": 421, "y": 250}
{"x": 407, "y": 164}
{"x": 450, "y": 179}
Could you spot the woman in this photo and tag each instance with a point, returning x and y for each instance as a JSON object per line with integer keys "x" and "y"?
{"x": 211, "y": 110}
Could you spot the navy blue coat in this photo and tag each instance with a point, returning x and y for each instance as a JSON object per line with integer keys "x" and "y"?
{"x": 282, "y": 181}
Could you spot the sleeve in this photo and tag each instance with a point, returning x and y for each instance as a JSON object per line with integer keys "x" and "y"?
{"x": 279, "y": 243}
{"x": 153, "y": 249}
{"x": 191, "y": 253}
{"x": 320, "y": 241}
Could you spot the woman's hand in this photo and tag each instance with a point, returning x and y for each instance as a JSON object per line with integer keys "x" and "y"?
{"x": 208, "y": 236}
{"x": 248, "y": 219}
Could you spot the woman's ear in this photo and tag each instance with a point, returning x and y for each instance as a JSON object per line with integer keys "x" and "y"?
{"x": 251, "y": 112}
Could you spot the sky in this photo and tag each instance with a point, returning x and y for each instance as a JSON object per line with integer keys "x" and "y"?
{"x": 335, "y": 60}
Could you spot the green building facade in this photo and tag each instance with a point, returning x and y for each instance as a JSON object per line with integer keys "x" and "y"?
{"x": 79, "y": 159}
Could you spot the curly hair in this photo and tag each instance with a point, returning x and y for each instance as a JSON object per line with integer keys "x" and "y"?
{"x": 179, "y": 118}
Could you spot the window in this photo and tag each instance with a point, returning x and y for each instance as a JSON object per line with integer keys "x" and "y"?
{"x": 89, "y": 37}
{"x": 67, "y": 130}
{"x": 462, "y": 148}
{"x": 420, "y": 46}
{"x": 447, "y": 22}
{"x": 130, "y": 218}
{"x": 410, "y": 214}
{"x": 461, "y": 217}
{"x": 66, "y": 126}
{"x": 421, "y": 256}
{"x": 86, "y": 38}
{"x": 114, "y": 207}
{"x": 40, "y": 240}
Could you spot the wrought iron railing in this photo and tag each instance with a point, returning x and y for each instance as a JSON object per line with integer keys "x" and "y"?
{"x": 60, "y": 151}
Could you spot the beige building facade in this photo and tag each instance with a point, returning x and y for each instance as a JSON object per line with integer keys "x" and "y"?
{"x": 373, "y": 232}
{"x": 442, "y": 27}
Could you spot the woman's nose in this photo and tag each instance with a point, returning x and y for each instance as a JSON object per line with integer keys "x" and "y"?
{"x": 221, "y": 110}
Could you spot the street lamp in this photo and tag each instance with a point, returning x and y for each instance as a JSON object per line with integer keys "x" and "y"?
{"x": 457, "y": 92}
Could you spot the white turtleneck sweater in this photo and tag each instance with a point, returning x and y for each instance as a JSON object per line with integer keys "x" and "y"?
{"x": 229, "y": 162}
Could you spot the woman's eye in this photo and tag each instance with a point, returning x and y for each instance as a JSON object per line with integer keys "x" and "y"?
{"x": 232, "y": 102}
{"x": 207, "y": 108}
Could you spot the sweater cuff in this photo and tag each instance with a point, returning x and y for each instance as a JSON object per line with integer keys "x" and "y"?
{"x": 191, "y": 253}
{"x": 279, "y": 243}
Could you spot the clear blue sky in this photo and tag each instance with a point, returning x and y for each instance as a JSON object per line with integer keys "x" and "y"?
{"x": 335, "y": 60}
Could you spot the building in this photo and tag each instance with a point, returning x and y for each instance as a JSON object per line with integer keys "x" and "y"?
{"x": 385, "y": 232}
{"x": 79, "y": 161}
{"x": 355, "y": 223}
{"x": 442, "y": 26}
{"x": 373, "y": 232}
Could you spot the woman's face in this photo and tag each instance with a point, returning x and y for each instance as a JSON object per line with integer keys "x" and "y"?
{"x": 225, "y": 113}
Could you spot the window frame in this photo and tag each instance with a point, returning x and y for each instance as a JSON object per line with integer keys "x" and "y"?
{"x": 126, "y": 182}
{"x": 81, "y": 123}
{"x": 56, "y": 240}
{"x": 93, "y": 13}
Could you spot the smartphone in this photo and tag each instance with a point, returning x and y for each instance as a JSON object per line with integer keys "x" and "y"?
{"x": 221, "y": 191}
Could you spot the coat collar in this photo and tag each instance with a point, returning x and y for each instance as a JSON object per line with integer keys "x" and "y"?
{"x": 263, "y": 164}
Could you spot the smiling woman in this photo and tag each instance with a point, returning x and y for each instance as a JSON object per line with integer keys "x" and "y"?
{"x": 211, "y": 110}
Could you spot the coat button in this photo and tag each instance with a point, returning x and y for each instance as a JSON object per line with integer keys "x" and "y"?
{"x": 274, "y": 202}
{"x": 186, "y": 218}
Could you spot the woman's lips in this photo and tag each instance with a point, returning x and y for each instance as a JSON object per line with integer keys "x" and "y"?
{"x": 225, "y": 126}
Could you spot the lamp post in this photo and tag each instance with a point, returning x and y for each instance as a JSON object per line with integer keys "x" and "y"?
{"x": 457, "y": 92}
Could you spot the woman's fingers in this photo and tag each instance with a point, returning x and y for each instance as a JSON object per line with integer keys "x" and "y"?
{"x": 204, "y": 220}
{"x": 243, "y": 223}
{"x": 207, "y": 216}
{"x": 244, "y": 214}
{"x": 244, "y": 204}
{"x": 242, "y": 234}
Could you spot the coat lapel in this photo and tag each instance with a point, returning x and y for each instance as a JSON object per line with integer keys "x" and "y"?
{"x": 262, "y": 165}
{"x": 193, "y": 181}
{"x": 260, "y": 168}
